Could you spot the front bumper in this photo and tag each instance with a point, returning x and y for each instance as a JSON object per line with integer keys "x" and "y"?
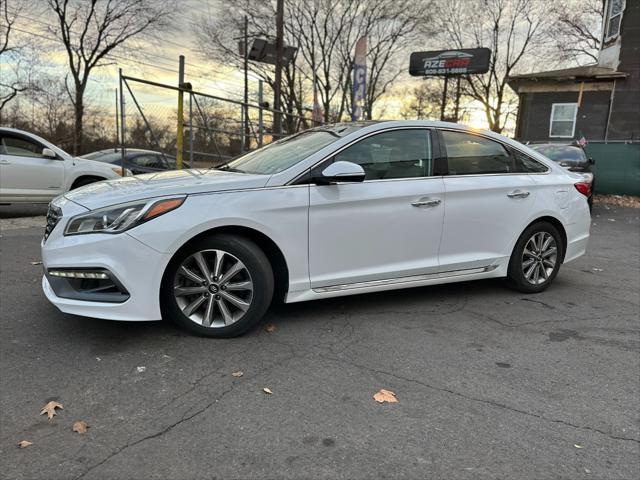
{"x": 138, "y": 267}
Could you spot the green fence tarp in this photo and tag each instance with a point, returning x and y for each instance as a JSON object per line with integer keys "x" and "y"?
{"x": 617, "y": 168}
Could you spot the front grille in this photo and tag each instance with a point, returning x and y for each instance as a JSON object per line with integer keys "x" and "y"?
{"x": 54, "y": 214}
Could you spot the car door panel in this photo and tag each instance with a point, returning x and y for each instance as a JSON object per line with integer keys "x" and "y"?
{"x": 481, "y": 219}
{"x": 486, "y": 201}
{"x": 369, "y": 231}
{"x": 25, "y": 173}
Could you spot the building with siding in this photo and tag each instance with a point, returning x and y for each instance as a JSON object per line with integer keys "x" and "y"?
{"x": 599, "y": 102}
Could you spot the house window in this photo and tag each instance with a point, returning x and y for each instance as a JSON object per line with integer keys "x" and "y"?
{"x": 613, "y": 19}
{"x": 563, "y": 120}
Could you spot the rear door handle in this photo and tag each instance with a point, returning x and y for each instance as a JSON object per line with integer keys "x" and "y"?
{"x": 426, "y": 202}
{"x": 518, "y": 194}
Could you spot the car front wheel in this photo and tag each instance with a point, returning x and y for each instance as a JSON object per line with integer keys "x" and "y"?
{"x": 219, "y": 286}
{"x": 536, "y": 258}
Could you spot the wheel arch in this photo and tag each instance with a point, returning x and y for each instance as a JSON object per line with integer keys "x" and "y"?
{"x": 269, "y": 247}
{"x": 81, "y": 178}
{"x": 556, "y": 223}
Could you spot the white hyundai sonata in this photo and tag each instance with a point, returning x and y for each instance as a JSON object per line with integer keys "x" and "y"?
{"x": 336, "y": 210}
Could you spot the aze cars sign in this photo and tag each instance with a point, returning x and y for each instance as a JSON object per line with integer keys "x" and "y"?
{"x": 450, "y": 62}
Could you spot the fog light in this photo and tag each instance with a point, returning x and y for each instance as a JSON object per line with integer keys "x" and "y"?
{"x": 78, "y": 274}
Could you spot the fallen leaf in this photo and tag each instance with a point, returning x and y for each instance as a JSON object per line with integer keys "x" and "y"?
{"x": 80, "y": 426}
{"x": 36, "y": 263}
{"x": 267, "y": 390}
{"x": 597, "y": 269}
{"x": 385, "y": 396}
{"x": 577, "y": 446}
{"x": 25, "y": 444}
{"x": 270, "y": 328}
{"x": 237, "y": 374}
{"x": 50, "y": 409}
{"x": 141, "y": 369}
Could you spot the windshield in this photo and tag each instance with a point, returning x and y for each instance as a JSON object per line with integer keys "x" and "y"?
{"x": 561, "y": 153}
{"x": 278, "y": 156}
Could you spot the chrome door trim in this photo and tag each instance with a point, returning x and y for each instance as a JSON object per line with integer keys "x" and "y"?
{"x": 404, "y": 280}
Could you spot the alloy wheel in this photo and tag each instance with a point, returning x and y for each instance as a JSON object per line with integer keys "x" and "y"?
{"x": 539, "y": 258}
{"x": 213, "y": 288}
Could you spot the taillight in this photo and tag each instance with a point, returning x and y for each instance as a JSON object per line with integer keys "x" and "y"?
{"x": 584, "y": 188}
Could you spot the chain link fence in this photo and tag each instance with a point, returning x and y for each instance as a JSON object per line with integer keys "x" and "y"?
{"x": 214, "y": 129}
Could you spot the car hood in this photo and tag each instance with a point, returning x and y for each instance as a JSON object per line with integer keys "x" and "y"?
{"x": 92, "y": 164}
{"x": 172, "y": 182}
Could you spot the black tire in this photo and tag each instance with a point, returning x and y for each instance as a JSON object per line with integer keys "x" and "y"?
{"x": 81, "y": 182}
{"x": 258, "y": 267}
{"x": 516, "y": 276}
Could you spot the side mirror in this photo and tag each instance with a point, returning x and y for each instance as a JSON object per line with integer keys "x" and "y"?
{"x": 591, "y": 161}
{"x": 340, "y": 172}
{"x": 48, "y": 153}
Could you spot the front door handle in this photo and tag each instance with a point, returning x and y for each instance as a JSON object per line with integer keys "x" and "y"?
{"x": 426, "y": 202}
{"x": 518, "y": 194}
{"x": 5, "y": 162}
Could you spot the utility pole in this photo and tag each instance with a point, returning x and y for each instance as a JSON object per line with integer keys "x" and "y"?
{"x": 277, "y": 119}
{"x": 457, "y": 108}
{"x": 180, "y": 132}
{"x": 444, "y": 97}
{"x": 247, "y": 137}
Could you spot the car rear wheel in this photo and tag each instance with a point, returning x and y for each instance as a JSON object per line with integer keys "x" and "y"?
{"x": 219, "y": 286}
{"x": 536, "y": 258}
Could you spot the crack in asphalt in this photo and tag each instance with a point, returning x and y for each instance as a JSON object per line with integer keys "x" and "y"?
{"x": 482, "y": 400}
{"x": 185, "y": 417}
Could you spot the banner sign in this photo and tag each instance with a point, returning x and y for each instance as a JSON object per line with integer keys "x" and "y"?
{"x": 359, "y": 80}
{"x": 450, "y": 62}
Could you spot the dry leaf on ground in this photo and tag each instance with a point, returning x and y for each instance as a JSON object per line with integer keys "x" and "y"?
{"x": 25, "y": 444}
{"x": 50, "y": 409}
{"x": 267, "y": 390}
{"x": 36, "y": 263}
{"x": 385, "y": 396}
{"x": 577, "y": 446}
{"x": 80, "y": 426}
{"x": 270, "y": 328}
{"x": 237, "y": 374}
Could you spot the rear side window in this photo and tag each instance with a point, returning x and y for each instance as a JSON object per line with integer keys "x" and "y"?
{"x": 474, "y": 155}
{"x": 526, "y": 164}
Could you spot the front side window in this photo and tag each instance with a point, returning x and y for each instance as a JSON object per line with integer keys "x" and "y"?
{"x": 393, "y": 154}
{"x": 563, "y": 120}
{"x": 474, "y": 155}
{"x": 614, "y": 19}
{"x": 21, "y": 147}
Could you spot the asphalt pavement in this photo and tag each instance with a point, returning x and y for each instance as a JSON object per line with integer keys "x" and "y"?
{"x": 490, "y": 383}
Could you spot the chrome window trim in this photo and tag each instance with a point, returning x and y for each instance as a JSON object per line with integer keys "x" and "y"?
{"x": 370, "y": 134}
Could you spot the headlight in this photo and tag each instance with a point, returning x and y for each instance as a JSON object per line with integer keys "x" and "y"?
{"x": 118, "y": 171}
{"x": 118, "y": 218}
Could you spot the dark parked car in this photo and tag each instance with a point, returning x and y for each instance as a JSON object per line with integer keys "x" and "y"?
{"x": 572, "y": 157}
{"x": 137, "y": 160}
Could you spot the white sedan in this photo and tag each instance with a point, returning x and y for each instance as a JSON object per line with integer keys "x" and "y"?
{"x": 336, "y": 210}
{"x": 34, "y": 170}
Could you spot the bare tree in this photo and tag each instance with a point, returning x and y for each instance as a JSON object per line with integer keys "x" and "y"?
{"x": 512, "y": 29}
{"x": 12, "y": 81}
{"x": 325, "y": 33}
{"x": 576, "y": 30}
{"x": 92, "y": 29}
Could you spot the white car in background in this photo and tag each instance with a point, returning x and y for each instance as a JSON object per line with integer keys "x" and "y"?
{"x": 335, "y": 210}
{"x": 35, "y": 171}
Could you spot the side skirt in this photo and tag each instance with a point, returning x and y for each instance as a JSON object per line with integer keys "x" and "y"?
{"x": 490, "y": 271}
